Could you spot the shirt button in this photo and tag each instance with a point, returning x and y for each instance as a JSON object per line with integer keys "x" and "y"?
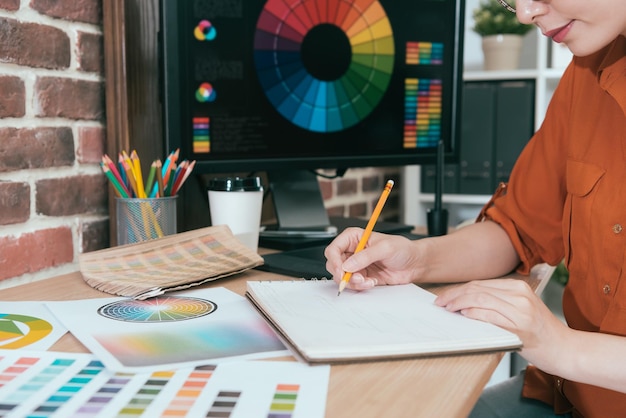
{"x": 617, "y": 228}
{"x": 606, "y": 289}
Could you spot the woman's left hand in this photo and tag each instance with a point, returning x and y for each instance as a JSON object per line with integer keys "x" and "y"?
{"x": 511, "y": 304}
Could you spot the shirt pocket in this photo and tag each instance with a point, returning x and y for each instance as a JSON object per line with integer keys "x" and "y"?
{"x": 581, "y": 181}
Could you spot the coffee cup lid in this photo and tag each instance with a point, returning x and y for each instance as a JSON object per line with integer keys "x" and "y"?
{"x": 235, "y": 184}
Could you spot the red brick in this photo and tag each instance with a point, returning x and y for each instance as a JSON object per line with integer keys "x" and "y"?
{"x": 371, "y": 183}
{"x": 11, "y": 5}
{"x": 335, "y": 211}
{"x": 89, "y": 11}
{"x": 358, "y": 210}
{"x": 33, "y": 45}
{"x": 35, "y": 148}
{"x": 346, "y": 187}
{"x": 326, "y": 188}
{"x": 94, "y": 235}
{"x": 72, "y": 195}
{"x": 91, "y": 142}
{"x": 69, "y": 98}
{"x": 12, "y": 97}
{"x": 14, "y": 203}
{"x": 31, "y": 252}
{"x": 90, "y": 53}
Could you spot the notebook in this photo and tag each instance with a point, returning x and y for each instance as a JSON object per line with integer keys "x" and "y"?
{"x": 384, "y": 322}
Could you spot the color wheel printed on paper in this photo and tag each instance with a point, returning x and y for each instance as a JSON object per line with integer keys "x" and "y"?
{"x": 324, "y": 64}
{"x": 17, "y": 331}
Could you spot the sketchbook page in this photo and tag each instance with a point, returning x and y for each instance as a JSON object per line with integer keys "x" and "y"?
{"x": 170, "y": 263}
{"x": 182, "y": 329}
{"x": 385, "y": 321}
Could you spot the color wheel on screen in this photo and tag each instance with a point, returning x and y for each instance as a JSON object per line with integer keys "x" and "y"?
{"x": 158, "y": 309}
{"x": 18, "y": 331}
{"x": 324, "y": 65}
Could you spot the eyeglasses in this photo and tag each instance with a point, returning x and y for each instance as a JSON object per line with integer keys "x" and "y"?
{"x": 506, "y": 6}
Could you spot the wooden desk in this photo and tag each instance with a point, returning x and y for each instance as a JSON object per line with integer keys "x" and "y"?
{"x": 427, "y": 387}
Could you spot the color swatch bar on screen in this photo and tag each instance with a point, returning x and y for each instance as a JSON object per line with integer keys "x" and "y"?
{"x": 422, "y": 113}
{"x": 424, "y": 53}
{"x": 201, "y": 135}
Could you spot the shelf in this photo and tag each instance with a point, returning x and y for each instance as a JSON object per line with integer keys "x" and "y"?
{"x": 458, "y": 199}
{"x": 501, "y": 75}
{"x": 522, "y": 74}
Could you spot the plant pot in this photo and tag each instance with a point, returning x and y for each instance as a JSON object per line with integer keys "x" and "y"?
{"x": 502, "y": 52}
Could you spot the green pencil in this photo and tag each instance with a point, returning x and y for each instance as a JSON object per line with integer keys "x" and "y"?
{"x": 116, "y": 184}
{"x": 150, "y": 178}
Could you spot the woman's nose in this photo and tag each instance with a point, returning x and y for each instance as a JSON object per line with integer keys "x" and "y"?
{"x": 528, "y": 10}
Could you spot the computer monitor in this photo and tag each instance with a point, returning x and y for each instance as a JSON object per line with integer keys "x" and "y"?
{"x": 290, "y": 86}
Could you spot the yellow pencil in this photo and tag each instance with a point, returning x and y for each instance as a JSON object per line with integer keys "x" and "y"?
{"x": 136, "y": 164}
{"x": 368, "y": 231}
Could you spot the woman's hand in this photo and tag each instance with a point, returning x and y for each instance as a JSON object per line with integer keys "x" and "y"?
{"x": 386, "y": 259}
{"x": 511, "y": 304}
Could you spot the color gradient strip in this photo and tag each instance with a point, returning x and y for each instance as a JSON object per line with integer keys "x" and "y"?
{"x": 284, "y": 401}
{"x": 146, "y": 394}
{"x": 224, "y": 404}
{"x": 189, "y": 392}
{"x": 103, "y": 397}
{"x": 21, "y": 365}
{"x": 422, "y": 112}
{"x": 201, "y": 135}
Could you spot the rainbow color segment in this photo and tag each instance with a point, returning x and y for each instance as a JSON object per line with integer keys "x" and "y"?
{"x": 201, "y": 135}
{"x": 423, "y": 108}
{"x": 14, "y": 335}
{"x": 309, "y": 102}
{"x": 158, "y": 309}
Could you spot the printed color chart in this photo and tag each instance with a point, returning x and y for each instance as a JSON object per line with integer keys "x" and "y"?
{"x": 49, "y": 384}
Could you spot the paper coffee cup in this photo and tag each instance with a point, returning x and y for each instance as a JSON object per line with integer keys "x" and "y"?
{"x": 237, "y": 202}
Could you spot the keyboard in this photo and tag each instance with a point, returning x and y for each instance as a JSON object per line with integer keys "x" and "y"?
{"x": 308, "y": 263}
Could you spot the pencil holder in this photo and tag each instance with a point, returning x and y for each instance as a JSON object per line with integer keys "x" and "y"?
{"x": 145, "y": 219}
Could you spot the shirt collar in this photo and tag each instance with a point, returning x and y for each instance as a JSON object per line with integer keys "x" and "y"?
{"x": 612, "y": 71}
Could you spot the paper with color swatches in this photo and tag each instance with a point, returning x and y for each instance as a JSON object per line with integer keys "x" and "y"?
{"x": 53, "y": 384}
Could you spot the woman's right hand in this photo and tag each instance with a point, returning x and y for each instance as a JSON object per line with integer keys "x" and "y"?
{"x": 385, "y": 260}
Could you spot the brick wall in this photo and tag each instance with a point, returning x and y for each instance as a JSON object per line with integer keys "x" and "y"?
{"x": 53, "y": 196}
{"x": 356, "y": 193}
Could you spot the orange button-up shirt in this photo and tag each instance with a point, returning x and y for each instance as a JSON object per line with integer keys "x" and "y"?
{"x": 566, "y": 199}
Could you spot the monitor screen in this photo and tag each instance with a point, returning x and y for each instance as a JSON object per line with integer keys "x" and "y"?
{"x": 281, "y": 85}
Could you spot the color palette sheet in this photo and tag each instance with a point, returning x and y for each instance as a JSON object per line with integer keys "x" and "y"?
{"x": 173, "y": 330}
{"x": 53, "y": 384}
{"x": 28, "y": 326}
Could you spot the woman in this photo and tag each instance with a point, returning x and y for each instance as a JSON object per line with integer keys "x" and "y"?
{"x": 566, "y": 199}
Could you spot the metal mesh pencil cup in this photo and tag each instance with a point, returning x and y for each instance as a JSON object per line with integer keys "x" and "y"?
{"x": 145, "y": 219}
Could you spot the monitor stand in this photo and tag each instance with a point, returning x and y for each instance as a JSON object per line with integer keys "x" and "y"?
{"x": 298, "y": 205}
{"x": 302, "y": 217}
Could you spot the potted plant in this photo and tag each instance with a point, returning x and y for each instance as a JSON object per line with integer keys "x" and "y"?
{"x": 501, "y": 34}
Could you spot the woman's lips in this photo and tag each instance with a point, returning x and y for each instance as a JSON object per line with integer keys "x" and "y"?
{"x": 559, "y": 34}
